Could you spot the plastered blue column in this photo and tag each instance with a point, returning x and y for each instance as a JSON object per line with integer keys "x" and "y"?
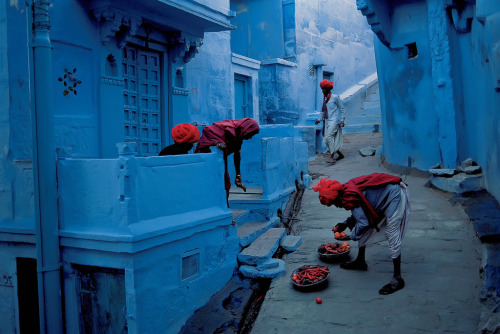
{"x": 445, "y": 106}
{"x": 44, "y": 170}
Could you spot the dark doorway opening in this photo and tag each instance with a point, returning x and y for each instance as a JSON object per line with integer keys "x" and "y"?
{"x": 27, "y": 292}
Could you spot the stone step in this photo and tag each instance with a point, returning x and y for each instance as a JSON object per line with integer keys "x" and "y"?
{"x": 250, "y": 190}
{"x": 272, "y": 268}
{"x": 367, "y": 111}
{"x": 249, "y": 232}
{"x": 361, "y": 128}
{"x": 371, "y": 104}
{"x": 364, "y": 119}
{"x": 240, "y": 216}
{"x": 373, "y": 97}
{"x": 263, "y": 248}
{"x": 290, "y": 243}
{"x": 252, "y": 194}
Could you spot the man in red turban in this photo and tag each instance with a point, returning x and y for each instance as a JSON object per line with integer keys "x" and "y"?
{"x": 380, "y": 209}
{"x": 333, "y": 116}
{"x": 228, "y": 136}
{"x": 184, "y": 136}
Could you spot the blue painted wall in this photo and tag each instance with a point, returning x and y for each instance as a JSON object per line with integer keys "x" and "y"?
{"x": 210, "y": 81}
{"x": 117, "y": 210}
{"x": 114, "y": 214}
{"x": 479, "y": 67}
{"x": 309, "y": 38}
{"x": 259, "y": 29}
{"x": 441, "y": 106}
{"x": 145, "y": 216}
{"x": 335, "y": 35}
{"x": 404, "y": 92}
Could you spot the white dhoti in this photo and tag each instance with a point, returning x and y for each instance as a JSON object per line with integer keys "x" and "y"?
{"x": 391, "y": 228}
{"x": 333, "y": 137}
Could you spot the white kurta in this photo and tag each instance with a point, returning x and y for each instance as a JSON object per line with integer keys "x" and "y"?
{"x": 333, "y": 131}
{"x": 392, "y": 227}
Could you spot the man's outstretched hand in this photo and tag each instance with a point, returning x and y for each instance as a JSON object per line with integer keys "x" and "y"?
{"x": 237, "y": 182}
{"x": 340, "y": 227}
{"x": 221, "y": 146}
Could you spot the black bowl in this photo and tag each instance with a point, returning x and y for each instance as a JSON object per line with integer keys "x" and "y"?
{"x": 333, "y": 257}
{"x": 309, "y": 287}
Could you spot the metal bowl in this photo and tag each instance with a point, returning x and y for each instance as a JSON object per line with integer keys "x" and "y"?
{"x": 329, "y": 257}
{"x": 310, "y": 287}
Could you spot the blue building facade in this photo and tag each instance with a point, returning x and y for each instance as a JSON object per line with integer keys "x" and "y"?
{"x": 438, "y": 69}
{"x": 112, "y": 235}
{"x": 89, "y": 104}
{"x": 300, "y": 43}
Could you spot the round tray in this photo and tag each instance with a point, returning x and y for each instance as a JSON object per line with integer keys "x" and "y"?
{"x": 309, "y": 287}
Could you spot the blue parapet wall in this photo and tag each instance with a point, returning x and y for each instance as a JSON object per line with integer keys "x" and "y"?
{"x": 144, "y": 215}
{"x": 273, "y": 161}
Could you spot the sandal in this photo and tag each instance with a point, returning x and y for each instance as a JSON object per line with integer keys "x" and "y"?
{"x": 354, "y": 265}
{"x": 397, "y": 283}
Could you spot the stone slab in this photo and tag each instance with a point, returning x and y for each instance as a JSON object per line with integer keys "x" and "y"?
{"x": 442, "y": 172}
{"x": 484, "y": 212}
{"x": 269, "y": 264}
{"x": 459, "y": 183}
{"x": 290, "y": 243}
{"x": 473, "y": 170}
{"x": 274, "y": 273}
{"x": 263, "y": 248}
{"x": 367, "y": 151}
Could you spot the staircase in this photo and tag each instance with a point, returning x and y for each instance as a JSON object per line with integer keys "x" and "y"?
{"x": 259, "y": 238}
{"x": 368, "y": 117}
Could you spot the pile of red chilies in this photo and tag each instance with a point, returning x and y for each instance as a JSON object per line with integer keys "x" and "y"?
{"x": 310, "y": 274}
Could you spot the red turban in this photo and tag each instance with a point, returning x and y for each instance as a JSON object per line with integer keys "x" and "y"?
{"x": 328, "y": 188}
{"x": 326, "y": 84}
{"x": 185, "y": 133}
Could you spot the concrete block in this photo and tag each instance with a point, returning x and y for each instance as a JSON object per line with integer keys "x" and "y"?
{"x": 263, "y": 248}
{"x": 290, "y": 243}
{"x": 274, "y": 273}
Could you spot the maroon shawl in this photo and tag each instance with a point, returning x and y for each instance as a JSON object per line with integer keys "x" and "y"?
{"x": 230, "y": 132}
{"x": 353, "y": 196}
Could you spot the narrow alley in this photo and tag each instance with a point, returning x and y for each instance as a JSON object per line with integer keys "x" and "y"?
{"x": 441, "y": 261}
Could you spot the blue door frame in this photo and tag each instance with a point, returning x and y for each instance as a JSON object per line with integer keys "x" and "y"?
{"x": 242, "y": 97}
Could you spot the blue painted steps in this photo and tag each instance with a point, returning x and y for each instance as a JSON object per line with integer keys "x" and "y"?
{"x": 367, "y": 118}
{"x": 260, "y": 240}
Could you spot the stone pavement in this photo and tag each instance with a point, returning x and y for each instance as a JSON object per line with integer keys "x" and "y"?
{"x": 441, "y": 261}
